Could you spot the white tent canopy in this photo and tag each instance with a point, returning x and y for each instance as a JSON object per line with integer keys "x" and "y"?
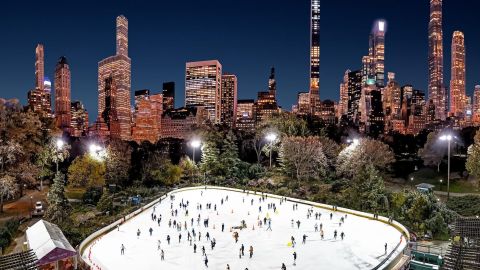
{"x": 48, "y": 242}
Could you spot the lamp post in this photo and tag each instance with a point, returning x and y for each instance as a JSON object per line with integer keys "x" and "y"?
{"x": 441, "y": 181}
{"x": 447, "y": 138}
{"x": 271, "y": 137}
{"x": 97, "y": 152}
{"x": 195, "y": 144}
{"x": 31, "y": 205}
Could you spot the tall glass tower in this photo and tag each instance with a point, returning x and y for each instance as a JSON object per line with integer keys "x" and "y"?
{"x": 436, "y": 88}
{"x": 314, "y": 56}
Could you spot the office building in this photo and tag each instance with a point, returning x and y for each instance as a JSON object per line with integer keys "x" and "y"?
{"x": 62, "y": 95}
{"x": 228, "y": 113}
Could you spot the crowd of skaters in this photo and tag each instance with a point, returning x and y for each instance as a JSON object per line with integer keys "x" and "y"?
{"x": 188, "y": 228}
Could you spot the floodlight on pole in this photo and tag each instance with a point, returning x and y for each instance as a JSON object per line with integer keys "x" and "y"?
{"x": 271, "y": 137}
{"x": 448, "y": 138}
{"x": 60, "y": 143}
{"x": 195, "y": 144}
{"x": 97, "y": 151}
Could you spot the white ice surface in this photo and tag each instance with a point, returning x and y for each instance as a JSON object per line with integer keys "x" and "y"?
{"x": 362, "y": 248}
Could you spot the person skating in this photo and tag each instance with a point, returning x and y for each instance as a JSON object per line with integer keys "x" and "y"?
{"x": 335, "y": 234}
{"x": 138, "y": 233}
{"x": 294, "y": 258}
{"x": 122, "y": 250}
{"x": 242, "y": 249}
{"x": 151, "y": 231}
{"x": 228, "y": 267}
{"x": 304, "y": 240}
{"x": 283, "y": 267}
{"x": 293, "y": 241}
{"x": 194, "y": 248}
{"x": 168, "y": 239}
{"x": 269, "y": 225}
{"x": 298, "y": 224}
{"x": 179, "y": 237}
{"x": 386, "y": 248}
{"x": 162, "y": 255}
{"x": 251, "y": 251}
{"x": 342, "y": 235}
{"x": 206, "y": 261}
{"x": 158, "y": 244}
{"x": 321, "y": 234}
{"x": 203, "y": 251}
{"x": 223, "y": 226}
{"x": 316, "y": 227}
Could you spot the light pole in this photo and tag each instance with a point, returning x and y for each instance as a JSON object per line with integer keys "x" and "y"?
{"x": 441, "y": 181}
{"x": 60, "y": 144}
{"x": 271, "y": 137}
{"x": 195, "y": 144}
{"x": 447, "y": 138}
{"x": 97, "y": 152}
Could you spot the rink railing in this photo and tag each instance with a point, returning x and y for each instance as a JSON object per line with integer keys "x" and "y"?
{"x": 388, "y": 261}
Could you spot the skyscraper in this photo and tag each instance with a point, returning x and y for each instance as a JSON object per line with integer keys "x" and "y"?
{"x": 168, "y": 96}
{"x": 377, "y": 52}
{"x": 39, "y": 66}
{"x": 203, "y": 87}
{"x": 119, "y": 68}
{"x": 229, "y": 100}
{"x": 457, "y": 81}
{"x": 476, "y": 105}
{"x": 39, "y": 98}
{"x": 354, "y": 95}
{"x": 266, "y": 104}
{"x": 314, "y": 57}
{"x": 62, "y": 95}
{"x": 436, "y": 88}
{"x": 343, "y": 102}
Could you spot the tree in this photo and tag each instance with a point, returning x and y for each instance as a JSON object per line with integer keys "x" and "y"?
{"x": 189, "y": 169}
{"x": 473, "y": 159}
{"x": 59, "y": 208}
{"x": 304, "y": 156}
{"x": 366, "y": 190}
{"x": 85, "y": 172}
{"x": 229, "y": 161}
{"x": 118, "y": 163}
{"x": 8, "y": 189}
{"x": 432, "y": 153}
{"x": 10, "y": 152}
{"x": 365, "y": 152}
{"x": 288, "y": 124}
{"x": 106, "y": 202}
{"x": 210, "y": 163}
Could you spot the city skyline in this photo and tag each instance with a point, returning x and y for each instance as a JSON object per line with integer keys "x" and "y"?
{"x": 293, "y": 76}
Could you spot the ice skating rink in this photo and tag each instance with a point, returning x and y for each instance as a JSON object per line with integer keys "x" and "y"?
{"x": 362, "y": 248}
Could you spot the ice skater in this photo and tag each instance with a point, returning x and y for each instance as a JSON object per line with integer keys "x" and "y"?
{"x": 206, "y": 261}
{"x": 251, "y": 251}
{"x": 158, "y": 244}
{"x": 304, "y": 240}
{"x": 386, "y": 248}
{"x": 151, "y": 231}
{"x": 283, "y": 267}
{"x": 342, "y": 235}
{"x": 122, "y": 250}
{"x": 269, "y": 225}
{"x": 294, "y": 258}
{"x": 162, "y": 255}
{"x": 138, "y": 233}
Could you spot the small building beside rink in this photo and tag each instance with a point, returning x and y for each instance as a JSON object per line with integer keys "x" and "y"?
{"x": 52, "y": 249}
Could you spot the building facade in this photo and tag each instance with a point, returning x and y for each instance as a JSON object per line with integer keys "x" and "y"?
{"x": 178, "y": 123}
{"x": 118, "y": 67}
{"x": 376, "y": 53}
{"x": 228, "y": 114}
{"x": 79, "y": 120}
{"x": 245, "y": 114}
{"x": 168, "y": 95}
{"x": 39, "y": 98}
{"x": 203, "y": 87}
{"x": 62, "y": 95}
{"x": 148, "y": 118}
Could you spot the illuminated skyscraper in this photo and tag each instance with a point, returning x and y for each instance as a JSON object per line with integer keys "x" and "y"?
{"x": 229, "y": 100}
{"x": 354, "y": 95}
{"x": 457, "y": 82}
{"x": 377, "y": 52}
{"x": 168, "y": 96}
{"x": 476, "y": 105}
{"x": 266, "y": 104}
{"x": 245, "y": 114}
{"x": 314, "y": 57}
{"x": 203, "y": 87}
{"x": 343, "y": 102}
{"x": 119, "y": 68}
{"x": 436, "y": 88}
{"x": 62, "y": 95}
{"x": 39, "y": 67}
{"x": 39, "y": 98}
{"x": 148, "y": 115}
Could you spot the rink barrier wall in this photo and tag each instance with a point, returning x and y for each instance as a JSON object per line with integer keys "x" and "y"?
{"x": 390, "y": 263}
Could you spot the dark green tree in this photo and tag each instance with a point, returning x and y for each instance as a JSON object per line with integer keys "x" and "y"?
{"x": 59, "y": 208}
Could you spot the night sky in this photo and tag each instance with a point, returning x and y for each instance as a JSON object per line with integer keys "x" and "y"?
{"x": 246, "y": 36}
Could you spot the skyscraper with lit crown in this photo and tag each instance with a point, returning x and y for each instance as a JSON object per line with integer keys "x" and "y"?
{"x": 62, "y": 95}
{"x": 457, "y": 82}
{"x": 314, "y": 57}
{"x": 436, "y": 88}
{"x": 39, "y": 97}
{"x": 377, "y": 52}
{"x": 119, "y": 68}
{"x": 39, "y": 67}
